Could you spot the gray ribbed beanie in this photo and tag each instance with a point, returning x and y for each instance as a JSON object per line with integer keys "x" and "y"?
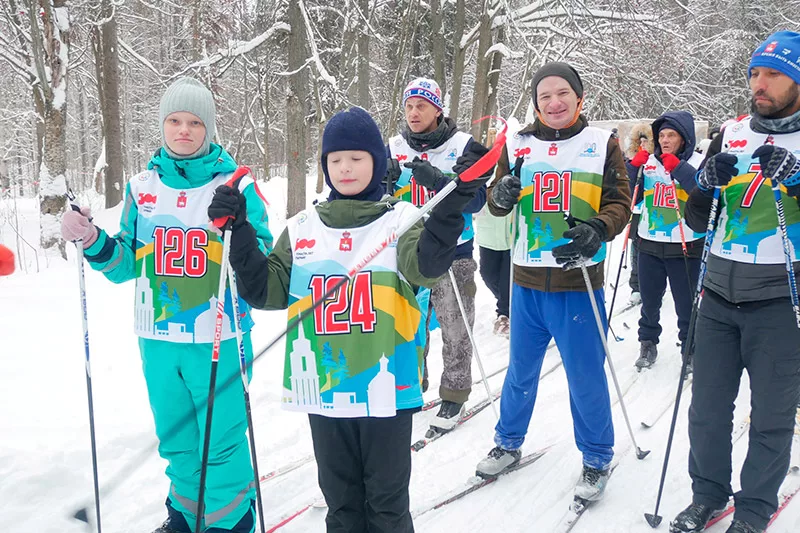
{"x": 188, "y": 94}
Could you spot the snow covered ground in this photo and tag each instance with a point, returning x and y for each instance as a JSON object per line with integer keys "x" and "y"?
{"x": 45, "y": 458}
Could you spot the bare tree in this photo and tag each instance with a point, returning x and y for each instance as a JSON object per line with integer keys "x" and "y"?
{"x": 295, "y": 111}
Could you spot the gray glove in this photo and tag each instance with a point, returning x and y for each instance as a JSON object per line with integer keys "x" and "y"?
{"x": 506, "y": 193}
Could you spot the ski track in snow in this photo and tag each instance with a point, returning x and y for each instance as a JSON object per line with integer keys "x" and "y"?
{"x": 45, "y": 458}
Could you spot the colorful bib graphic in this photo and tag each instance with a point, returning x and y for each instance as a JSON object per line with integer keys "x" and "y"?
{"x": 359, "y": 353}
{"x": 747, "y": 230}
{"x": 443, "y": 158}
{"x": 557, "y": 177}
{"x": 178, "y": 264}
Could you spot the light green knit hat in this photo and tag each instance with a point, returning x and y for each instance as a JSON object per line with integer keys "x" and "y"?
{"x": 188, "y": 94}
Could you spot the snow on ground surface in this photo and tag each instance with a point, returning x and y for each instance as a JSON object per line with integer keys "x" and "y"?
{"x": 45, "y": 458}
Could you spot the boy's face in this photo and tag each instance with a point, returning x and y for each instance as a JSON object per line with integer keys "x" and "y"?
{"x": 421, "y": 115}
{"x": 350, "y": 171}
{"x": 184, "y": 133}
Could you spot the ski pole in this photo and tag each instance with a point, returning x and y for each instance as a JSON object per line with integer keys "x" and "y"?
{"x": 654, "y": 519}
{"x": 246, "y": 387}
{"x": 483, "y": 165}
{"x": 223, "y": 266}
{"x": 640, "y": 454}
{"x": 684, "y": 249}
{"x": 787, "y": 249}
{"x": 472, "y": 340}
{"x": 517, "y": 171}
{"x": 624, "y": 245}
{"x": 85, "y": 323}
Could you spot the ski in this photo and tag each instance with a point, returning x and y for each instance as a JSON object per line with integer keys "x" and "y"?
{"x": 475, "y": 483}
{"x": 431, "y": 435}
{"x": 292, "y": 516}
{"x": 788, "y": 491}
{"x": 625, "y": 309}
{"x": 576, "y": 510}
{"x": 294, "y": 465}
{"x": 655, "y": 414}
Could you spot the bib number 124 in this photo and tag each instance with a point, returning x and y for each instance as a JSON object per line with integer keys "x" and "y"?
{"x": 351, "y": 305}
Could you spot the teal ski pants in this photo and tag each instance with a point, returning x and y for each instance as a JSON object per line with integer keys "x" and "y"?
{"x": 177, "y": 377}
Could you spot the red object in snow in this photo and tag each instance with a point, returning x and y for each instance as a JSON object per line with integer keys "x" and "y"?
{"x": 6, "y": 261}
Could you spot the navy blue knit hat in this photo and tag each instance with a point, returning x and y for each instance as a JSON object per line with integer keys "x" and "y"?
{"x": 781, "y": 51}
{"x": 354, "y": 129}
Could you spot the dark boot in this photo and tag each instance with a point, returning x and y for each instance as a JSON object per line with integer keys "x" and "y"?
{"x": 175, "y": 522}
{"x": 693, "y": 519}
{"x": 647, "y": 355}
{"x": 740, "y": 526}
{"x": 446, "y": 419}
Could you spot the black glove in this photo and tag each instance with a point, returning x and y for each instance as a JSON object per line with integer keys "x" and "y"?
{"x": 228, "y": 203}
{"x": 506, "y": 192}
{"x": 779, "y": 164}
{"x": 718, "y": 171}
{"x": 586, "y": 241}
{"x": 424, "y": 173}
{"x": 393, "y": 172}
{"x": 475, "y": 151}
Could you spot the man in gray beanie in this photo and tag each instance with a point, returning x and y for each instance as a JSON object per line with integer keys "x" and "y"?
{"x": 165, "y": 244}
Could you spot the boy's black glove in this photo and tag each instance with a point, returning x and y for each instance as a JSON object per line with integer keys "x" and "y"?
{"x": 586, "y": 241}
{"x": 228, "y": 203}
{"x": 424, "y": 173}
{"x": 393, "y": 172}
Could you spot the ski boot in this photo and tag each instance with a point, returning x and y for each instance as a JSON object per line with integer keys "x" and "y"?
{"x": 693, "y": 519}
{"x": 740, "y": 526}
{"x": 592, "y": 484}
{"x": 647, "y": 355}
{"x": 497, "y": 461}
{"x": 446, "y": 419}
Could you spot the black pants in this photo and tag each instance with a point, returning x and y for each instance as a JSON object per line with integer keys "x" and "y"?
{"x": 763, "y": 338}
{"x": 633, "y": 250}
{"x": 653, "y": 274}
{"x": 364, "y": 468}
{"x": 495, "y": 271}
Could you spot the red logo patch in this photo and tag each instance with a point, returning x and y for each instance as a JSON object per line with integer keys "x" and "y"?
{"x": 553, "y": 150}
{"x": 304, "y": 243}
{"x": 146, "y": 198}
{"x": 522, "y": 152}
{"x": 346, "y": 243}
{"x": 741, "y": 143}
{"x": 182, "y": 199}
{"x": 649, "y": 167}
{"x": 402, "y": 157}
{"x": 771, "y": 47}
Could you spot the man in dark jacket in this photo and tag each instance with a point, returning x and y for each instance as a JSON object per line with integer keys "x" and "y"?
{"x": 421, "y": 163}
{"x": 561, "y": 164}
{"x": 746, "y": 319}
{"x": 667, "y": 178}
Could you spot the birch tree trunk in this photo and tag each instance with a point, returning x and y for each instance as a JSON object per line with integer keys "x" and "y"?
{"x": 109, "y": 105}
{"x": 51, "y": 54}
{"x": 295, "y": 113}
{"x": 480, "y": 91}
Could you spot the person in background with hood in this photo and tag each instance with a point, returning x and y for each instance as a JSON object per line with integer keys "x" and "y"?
{"x": 165, "y": 244}
{"x": 667, "y": 179}
{"x": 560, "y": 165}
{"x": 420, "y": 164}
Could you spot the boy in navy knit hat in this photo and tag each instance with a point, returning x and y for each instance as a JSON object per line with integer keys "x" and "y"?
{"x": 354, "y": 364}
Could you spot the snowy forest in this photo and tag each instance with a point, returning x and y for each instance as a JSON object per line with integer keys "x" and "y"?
{"x": 80, "y": 80}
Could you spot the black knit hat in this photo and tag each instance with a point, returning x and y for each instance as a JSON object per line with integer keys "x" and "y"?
{"x": 562, "y": 70}
{"x": 354, "y": 129}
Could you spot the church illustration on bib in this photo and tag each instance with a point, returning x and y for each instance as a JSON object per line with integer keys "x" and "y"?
{"x": 193, "y": 325}
{"x": 540, "y": 249}
{"x": 305, "y": 394}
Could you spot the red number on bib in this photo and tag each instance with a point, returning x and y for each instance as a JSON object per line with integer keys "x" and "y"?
{"x": 180, "y": 252}
{"x": 664, "y": 195}
{"x": 548, "y": 187}
{"x": 358, "y": 305}
{"x": 752, "y": 189}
